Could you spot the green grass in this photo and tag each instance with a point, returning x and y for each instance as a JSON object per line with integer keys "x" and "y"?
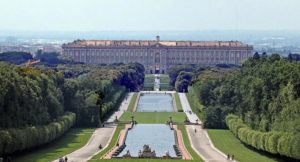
{"x": 112, "y": 143}
{"x": 188, "y": 144}
{"x": 164, "y": 82}
{"x": 196, "y": 106}
{"x": 132, "y": 102}
{"x": 226, "y": 142}
{"x": 178, "y": 103}
{"x": 149, "y": 81}
{"x": 153, "y": 117}
{"x": 71, "y": 141}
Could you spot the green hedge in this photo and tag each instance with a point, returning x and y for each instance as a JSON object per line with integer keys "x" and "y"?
{"x": 18, "y": 139}
{"x": 113, "y": 100}
{"x": 283, "y": 143}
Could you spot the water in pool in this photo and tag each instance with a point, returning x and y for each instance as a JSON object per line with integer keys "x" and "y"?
{"x": 155, "y": 102}
{"x": 158, "y": 136}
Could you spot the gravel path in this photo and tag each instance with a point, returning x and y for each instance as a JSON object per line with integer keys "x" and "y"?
{"x": 200, "y": 140}
{"x": 100, "y": 136}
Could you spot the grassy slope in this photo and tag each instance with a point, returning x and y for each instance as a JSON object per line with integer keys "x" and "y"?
{"x": 194, "y": 103}
{"x": 178, "y": 103}
{"x": 164, "y": 82}
{"x": 71, "y": 141}
{"x": 149, "y": 81}
{"x": 132, "y": 102}
{"x": 225, "y": 141}
{"x": 153, "y": 117}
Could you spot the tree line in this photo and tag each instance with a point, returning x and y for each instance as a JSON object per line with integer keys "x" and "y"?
{"x": 265, "y": 95}
{"x": 33, "y": 100}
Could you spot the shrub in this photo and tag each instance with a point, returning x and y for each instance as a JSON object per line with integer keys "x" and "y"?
{"x": 18, "y": 139}
{"x": 286, "y": 144}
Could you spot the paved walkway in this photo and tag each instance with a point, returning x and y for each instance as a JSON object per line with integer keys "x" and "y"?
{"x": 181, "y": 146}
{"x": 156, "y": 82}
{"x": 200, "y": 140}
{"x": 100, "y": 136}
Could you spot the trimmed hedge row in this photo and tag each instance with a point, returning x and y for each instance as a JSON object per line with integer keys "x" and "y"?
{"x": 18, "y": 139}
{"x": 114, "y": 100}
{"x": 286, "y": 144}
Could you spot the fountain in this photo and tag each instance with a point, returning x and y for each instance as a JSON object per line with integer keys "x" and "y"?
{"x": 147, "y": 153}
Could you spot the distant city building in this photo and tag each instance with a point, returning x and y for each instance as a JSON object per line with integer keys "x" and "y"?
{"x": 31, "y": 48}
{"x": 156, "y": 55}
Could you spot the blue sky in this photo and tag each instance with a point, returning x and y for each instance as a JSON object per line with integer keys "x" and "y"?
{"x": 141, "y": 15}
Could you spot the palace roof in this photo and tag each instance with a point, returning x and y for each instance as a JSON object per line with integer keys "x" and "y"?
{"x": 91, "y": 43}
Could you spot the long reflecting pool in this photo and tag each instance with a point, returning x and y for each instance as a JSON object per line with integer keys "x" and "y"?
{"x": 155, "y": 102}
{"x": 158, "y": 136}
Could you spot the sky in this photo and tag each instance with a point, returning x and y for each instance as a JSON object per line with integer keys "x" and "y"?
{"x": 149, "y": 15}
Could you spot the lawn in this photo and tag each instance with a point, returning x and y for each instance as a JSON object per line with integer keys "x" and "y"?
{"x": 71, "y": 141}
{"x": 153, "y": 117}
{"x": 164, "y": 82}
{"x": 226, "y": 142}
{"x": 149, "y": 82}
{"x": 164, "y": 78}
{"x": 196, "y": 106}
{"x": 178, "y": 103}
{"x": 132, "y": 102}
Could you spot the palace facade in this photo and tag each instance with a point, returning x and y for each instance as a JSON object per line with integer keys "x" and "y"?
{"x": 156, "y": 55}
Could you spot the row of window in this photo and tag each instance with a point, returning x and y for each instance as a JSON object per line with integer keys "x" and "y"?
{"x": 97, "y": 59}
{"x": 232, "y": 55}
{"x": 136, "y": 53}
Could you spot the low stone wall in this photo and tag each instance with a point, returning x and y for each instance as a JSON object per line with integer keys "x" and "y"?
{"x": 185, "y": 154}
{"x": 120, "y": 142}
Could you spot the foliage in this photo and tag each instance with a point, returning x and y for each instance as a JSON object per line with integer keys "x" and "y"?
{"x": 265, "y": 92}
{"x": 29, "y": 96}
{"x": 34, "y": 98}
{"x": 175, "y": 70}
{"x": 69, "y": 142}
{"x": 182, "y": 81}
{"x": 18, "y": 139}
{"x": 81, "y": 97}
{"x": 15, "y": 57}
{"x": 226, "y": 142}
{"x": 283, "y": 143}
{"x": 52, "y": 58}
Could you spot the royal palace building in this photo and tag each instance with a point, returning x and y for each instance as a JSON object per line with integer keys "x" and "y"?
{"x": 156, "y": 55}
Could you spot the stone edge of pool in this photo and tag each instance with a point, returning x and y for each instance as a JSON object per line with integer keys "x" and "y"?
{"x": 123, "y": 135}
{"x": 156, "y": 92}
